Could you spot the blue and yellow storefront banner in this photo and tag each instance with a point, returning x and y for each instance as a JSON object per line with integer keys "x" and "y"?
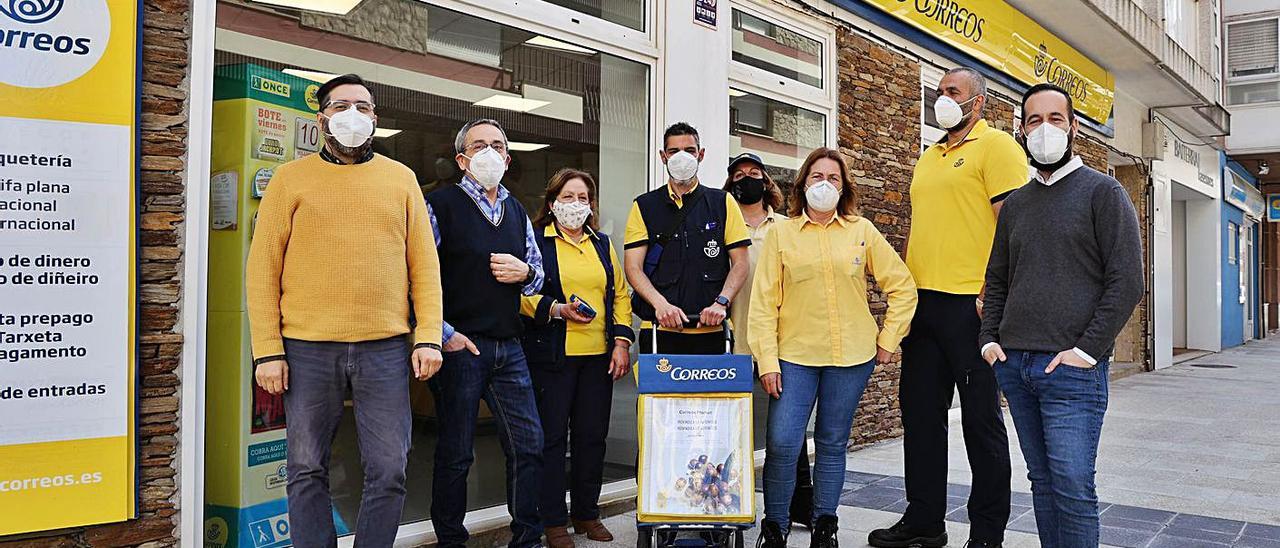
{"x": 1000, "y": 36}
{"x": 68, "y": 146}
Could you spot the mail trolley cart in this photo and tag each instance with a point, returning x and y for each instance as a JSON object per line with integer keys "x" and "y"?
{"x": 696, "y": 464}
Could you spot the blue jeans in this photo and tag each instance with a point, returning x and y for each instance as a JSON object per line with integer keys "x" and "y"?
{"x": 499, "y": 376}
{"x": 320, "y": 373}
{"x": 1058, "y": 417}
{"x": 836, "y": 391}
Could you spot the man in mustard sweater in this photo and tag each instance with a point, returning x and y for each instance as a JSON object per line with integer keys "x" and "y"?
{"x": 342, "y": 254}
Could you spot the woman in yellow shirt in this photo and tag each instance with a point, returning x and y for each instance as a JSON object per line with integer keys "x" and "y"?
{"x": 814, "y": 337}
{"x": 577, "y": 340}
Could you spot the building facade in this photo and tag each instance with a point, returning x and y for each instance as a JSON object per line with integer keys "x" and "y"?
{"x": 591, "y": 84}
{"x": 1252, "y": 81}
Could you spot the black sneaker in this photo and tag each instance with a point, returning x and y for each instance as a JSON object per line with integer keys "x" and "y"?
{"x": 824, "y": 533}
{"x": 903, "y": 536}
{"x": 802, "y": 507}
{"x": 981, "y": 544}
{"x": 771, "y": 536}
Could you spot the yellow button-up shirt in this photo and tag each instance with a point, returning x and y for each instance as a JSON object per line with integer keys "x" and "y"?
{"x": 809, "y": 297}
{"x": 581, "y": 273}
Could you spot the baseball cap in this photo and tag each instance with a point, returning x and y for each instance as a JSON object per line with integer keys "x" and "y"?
{"x": 744, "y": 157}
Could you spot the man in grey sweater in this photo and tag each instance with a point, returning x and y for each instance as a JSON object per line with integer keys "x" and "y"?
{"x": 1065, "y": 275}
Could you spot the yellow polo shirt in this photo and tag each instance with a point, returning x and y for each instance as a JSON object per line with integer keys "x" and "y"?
{"x": 809, "y": 297}
{"x": 581, "y": 273}
{"x": 735, "y": 232}
{"x": 952, "y": 222}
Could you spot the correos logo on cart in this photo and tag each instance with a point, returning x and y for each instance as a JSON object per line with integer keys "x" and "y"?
{"x": 682, "y": 374}
{"x": 44, "y": 43}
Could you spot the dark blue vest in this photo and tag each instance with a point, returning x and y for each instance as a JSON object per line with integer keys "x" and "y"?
{"x": 694, "y": 262}
{"x": 476, "y": 303}
{"x": 543, "y": 337}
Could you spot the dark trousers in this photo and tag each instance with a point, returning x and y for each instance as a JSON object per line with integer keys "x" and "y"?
{"x": 499, "y": 376}
{"x": 320, "y": 374}
{"x": 573, "y": 402}
{"x": 940, "y": 355}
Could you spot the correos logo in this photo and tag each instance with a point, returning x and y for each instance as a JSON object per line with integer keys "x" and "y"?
{"x": 43, "y": 45}
{"x": 682, "y": 374}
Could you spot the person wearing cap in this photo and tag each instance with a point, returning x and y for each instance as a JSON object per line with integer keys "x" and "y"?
{"x": 686, "y": 252}
{"x": 762, "y": 206}
{"x": 577, "y": 338}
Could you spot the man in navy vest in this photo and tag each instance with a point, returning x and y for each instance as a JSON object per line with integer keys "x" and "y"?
{"x": 489, "y": 256}
{"x": 686, "y": 266}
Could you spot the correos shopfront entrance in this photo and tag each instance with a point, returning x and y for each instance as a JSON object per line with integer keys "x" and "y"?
{"x": 432, "y": 69}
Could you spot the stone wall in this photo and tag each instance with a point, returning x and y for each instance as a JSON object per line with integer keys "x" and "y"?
{"x": 879, "y": 134}
{"x": 163, "y": 126}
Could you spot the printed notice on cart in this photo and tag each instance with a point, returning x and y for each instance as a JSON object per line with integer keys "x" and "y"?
{"x": 67, "y": 263}
{"x": 697, "y": 460}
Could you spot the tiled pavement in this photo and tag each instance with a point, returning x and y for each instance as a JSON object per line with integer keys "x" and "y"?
{"x": 1122, "y": 525}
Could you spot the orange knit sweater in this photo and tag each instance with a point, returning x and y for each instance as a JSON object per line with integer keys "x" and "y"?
{"x": 339, "y": 254}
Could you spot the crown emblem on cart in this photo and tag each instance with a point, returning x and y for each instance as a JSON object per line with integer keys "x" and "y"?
{"x": 664, "y": 365}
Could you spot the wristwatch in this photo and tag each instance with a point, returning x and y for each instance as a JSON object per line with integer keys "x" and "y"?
{"x": 722, "y": 301}
{"x": 531, "y": 275}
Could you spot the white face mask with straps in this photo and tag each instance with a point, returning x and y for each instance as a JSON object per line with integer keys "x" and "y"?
{"x": 682, "y": 166}
{"x": 822, "y": 197}
{"x": 351, "y": 128}
{"x": 487, "y": 167}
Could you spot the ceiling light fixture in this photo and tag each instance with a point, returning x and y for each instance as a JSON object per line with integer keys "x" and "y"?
{"x": 737, "y": 93}
{"x": 511, "y": 102}
{"x": 516, "y": 146}
{"x": 314, "y": 76}
{"x": 335, "y": 7}
{"x": 552, "y": 43}
{"x": 1263, "y": 168}
{"x": 383, "y": 133}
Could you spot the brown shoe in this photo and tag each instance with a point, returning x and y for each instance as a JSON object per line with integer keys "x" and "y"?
{"x": 558, "y": 537}
{"x": 594, "y": 529}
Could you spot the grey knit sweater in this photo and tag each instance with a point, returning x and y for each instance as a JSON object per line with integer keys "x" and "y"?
{"x": 1066, "y": 267}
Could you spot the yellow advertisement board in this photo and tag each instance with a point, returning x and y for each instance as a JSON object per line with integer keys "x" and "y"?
{"x": 68, "y": 110}
{"x": 1001, "y": 36}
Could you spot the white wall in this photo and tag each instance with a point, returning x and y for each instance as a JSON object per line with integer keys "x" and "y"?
{"x": 1253, "y": 129}
{"x": 1178, "y": 266}
{"x": 1130, "y": 114}
{"x": 1237, "y": 7}
{"x": 1204, "y": 275}
{"x": 695, "y": 80}
{"x": 1162, "y": 277}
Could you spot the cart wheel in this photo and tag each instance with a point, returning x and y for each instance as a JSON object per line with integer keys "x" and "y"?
{"x": 644, "y": 537}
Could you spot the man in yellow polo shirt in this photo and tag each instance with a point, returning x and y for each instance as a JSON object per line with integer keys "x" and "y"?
{"x": 686, "y": 252}
{"x": 955, "y": 196}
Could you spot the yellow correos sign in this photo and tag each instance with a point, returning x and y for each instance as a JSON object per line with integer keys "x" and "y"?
{"x": 1002, "y": 37}
{"x": 68, "y": 262}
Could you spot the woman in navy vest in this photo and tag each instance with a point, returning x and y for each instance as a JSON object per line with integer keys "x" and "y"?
{"x": 577, "y": 339}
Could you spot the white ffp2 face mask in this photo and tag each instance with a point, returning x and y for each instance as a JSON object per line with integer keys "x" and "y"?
{"x": 948, "y": 112}
{"x": 351, "y": 128}
{"x": 822, "y": 197}
{"x": 1047, "y": 144}
{"x": 571, "y": 215}
{"x": 682, "y": 166}
{"x": 487, "y": 167}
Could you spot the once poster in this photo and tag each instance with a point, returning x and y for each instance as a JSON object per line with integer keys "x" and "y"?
{"x": 67, "y": 263}
{"x": 697, "y": 460}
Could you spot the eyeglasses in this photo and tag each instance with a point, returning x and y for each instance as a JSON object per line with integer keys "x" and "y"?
{"x": 478, "y": 146}
{"x": 363, "y": 107}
